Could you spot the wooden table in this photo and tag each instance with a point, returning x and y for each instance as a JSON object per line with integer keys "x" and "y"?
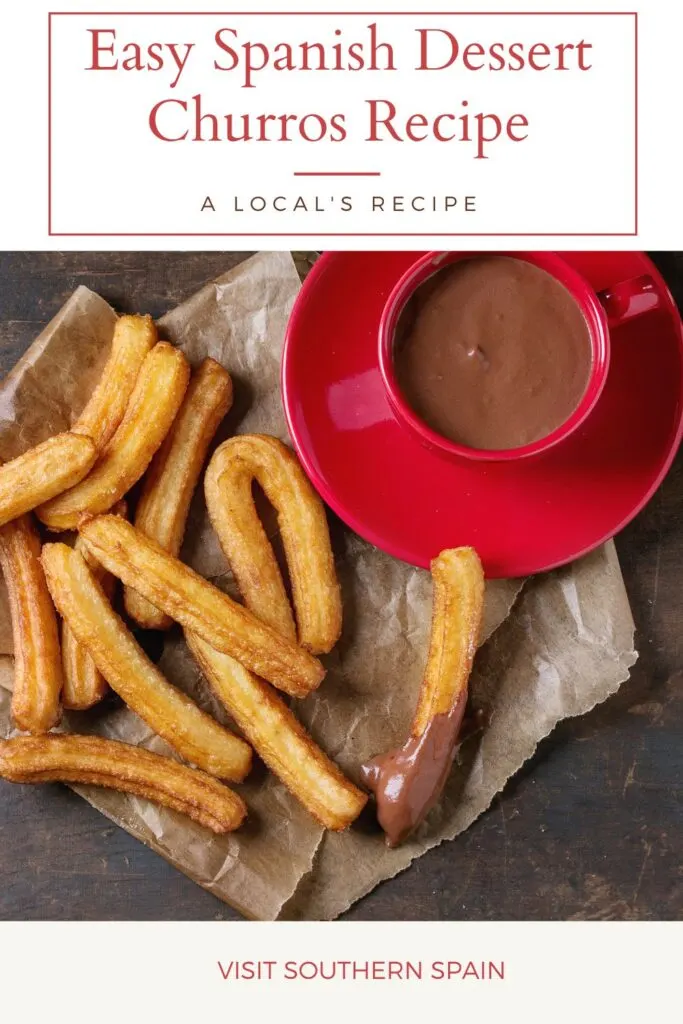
{"x": 591, "y": 829}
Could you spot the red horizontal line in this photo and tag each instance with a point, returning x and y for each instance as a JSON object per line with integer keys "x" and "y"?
{"x": 337, "y": 174}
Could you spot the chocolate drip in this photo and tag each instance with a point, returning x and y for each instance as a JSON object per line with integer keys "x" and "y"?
{"x": 408, "y": 780}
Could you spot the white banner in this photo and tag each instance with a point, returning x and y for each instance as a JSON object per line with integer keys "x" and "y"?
{"x": 338, "y": 124}
{"x": 341, "y": 972}
{"x": 340, "y": 129}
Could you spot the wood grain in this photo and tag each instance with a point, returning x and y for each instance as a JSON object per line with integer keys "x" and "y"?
{"x": 591, "y": 829}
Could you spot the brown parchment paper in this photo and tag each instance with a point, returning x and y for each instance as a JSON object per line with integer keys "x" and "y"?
{"x": 567, "y": 644}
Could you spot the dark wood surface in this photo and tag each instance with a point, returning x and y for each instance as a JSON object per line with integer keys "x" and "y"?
{"x": 592, "y": 828}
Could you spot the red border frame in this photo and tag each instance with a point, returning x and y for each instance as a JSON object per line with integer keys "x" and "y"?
{"x": 339, "y": 234}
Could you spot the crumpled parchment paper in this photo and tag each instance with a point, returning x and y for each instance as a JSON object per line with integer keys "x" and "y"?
{"x": 566, "y": 645}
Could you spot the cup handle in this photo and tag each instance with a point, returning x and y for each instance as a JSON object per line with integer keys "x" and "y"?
{"x": 629, "y": 299}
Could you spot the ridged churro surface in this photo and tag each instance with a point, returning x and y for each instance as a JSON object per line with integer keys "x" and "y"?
{"x": 174, "y": 472}
{"x": 408, "y": 780}
{"x": 133, "y": 338}
{"x": 280, "y": 739}
{"x": 37, "y": 662}
{"x": 169, "y": 712}
{"x": 84, "y": 684}
{"x": 457, "y": 607}
{"x": 199, "y": 606}
{"x": 156, "y": 398}
{"x": 91, "y": 760}
{"x": 43, "y": 472}
{"x": 235, "y": 465}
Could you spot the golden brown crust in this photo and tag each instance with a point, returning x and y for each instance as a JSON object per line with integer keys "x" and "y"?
{"x": 43, "y": 472}
{"x": 37, "y": 663}
{"x": 173, "y": 474}
{"x": 133, "y": 338}
{"x": 303, "y": 528}
{"x": 408, "y": 780}
{"x": 280, "y": 739}
{"x": 169, "y": 712}
{"x": 156, "y": 398}
{"x": 91, "y": 760}
{"x": 84, "y": 684}
{"x": 456, "y": 620}
{"x": 200, "y": 607}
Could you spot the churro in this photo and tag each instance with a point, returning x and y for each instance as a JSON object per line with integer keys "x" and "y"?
{"x": 93, "y": 761}
{"x": 173, "y": 474}
{"x": 37, "y": 663}
{"x": 234, "y": 467}
{"x": 197, "y": 605}
{"x": 133, "y": 338}
{"x": 408, "y": 781}
{"x": 43, "y": 472}
{"x": 84, "y": 684}
{"x": 80, "y": 600}
{"x": 280, "y": 739}
{"x": 153, "y": 405}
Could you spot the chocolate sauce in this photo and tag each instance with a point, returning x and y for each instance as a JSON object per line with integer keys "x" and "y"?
{"x": 408, "y": 780}
{"x": 492, "y": 352}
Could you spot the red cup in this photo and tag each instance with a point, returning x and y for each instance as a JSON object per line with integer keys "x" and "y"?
{"x": 608, "y": 309}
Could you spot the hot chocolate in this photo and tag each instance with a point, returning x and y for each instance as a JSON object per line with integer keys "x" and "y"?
{"x": 492, "y": 352}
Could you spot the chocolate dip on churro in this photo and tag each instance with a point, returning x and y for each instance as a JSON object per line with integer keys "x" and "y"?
{"x": 492, "y": 352}
{"x": 407, "y": 781}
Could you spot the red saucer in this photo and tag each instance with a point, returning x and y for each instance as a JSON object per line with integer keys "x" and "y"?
{"x": 522, "y": 517}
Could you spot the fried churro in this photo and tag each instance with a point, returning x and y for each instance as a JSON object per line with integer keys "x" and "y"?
{"x": 280, "y": 739}
{"x": 84, "y": 684}
{"x": 80, "y": 600}
{"x": 43, "y": 472}
{"x": 234, "y": 467}
{"x": 173, "y": 474}
{"x": 156, "y": 398}
{"x": 408, "y": 781}
{"x": 93, "y": 761}
{"x": 37, "y": 663}
{"x": 133, "y": 338}
{"x": 197, "y": 605}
